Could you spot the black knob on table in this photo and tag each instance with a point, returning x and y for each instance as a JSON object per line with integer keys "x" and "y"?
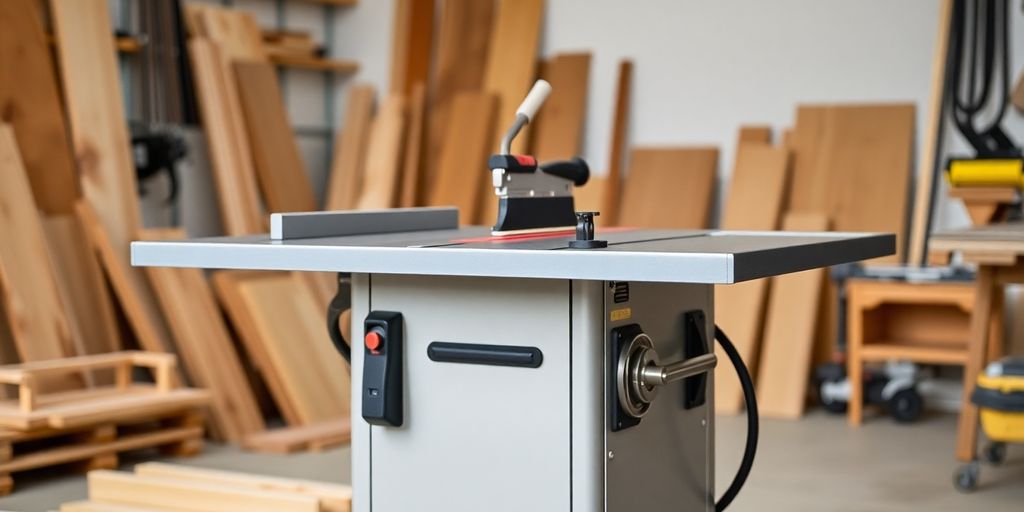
{"x": 585, "y": 232}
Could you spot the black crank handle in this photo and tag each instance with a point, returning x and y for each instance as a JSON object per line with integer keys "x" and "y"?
{"x": 335, "y": 308}
{"x": 575, "y": 170}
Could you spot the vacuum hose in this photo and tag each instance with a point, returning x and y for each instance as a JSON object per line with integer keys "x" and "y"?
{"x": 753, "y": 426}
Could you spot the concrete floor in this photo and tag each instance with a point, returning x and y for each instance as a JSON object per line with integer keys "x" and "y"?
{"x": 818, "y": 464}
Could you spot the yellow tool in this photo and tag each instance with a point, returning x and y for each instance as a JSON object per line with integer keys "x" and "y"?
{"x": 986, "y": 172}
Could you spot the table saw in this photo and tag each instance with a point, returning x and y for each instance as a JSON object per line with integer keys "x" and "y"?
{"x": 536, "y": 365}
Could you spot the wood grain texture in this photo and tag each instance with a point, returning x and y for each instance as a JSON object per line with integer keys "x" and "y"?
{"x": 234, "y": 31}
{"x": 411, "y": 44}
{"x": 410, "y": 185}
{"x": 32, "y": 302}
{"x": 230, "y": 160}
{"x": 270, "y": 310}
{"x": 313, "y": 437}
{"x": 463, "y": 159}
{"x": 99, "y": 131}
{"x": 785, "y": 367}
{"x": 30, "y": 102}
{"x": 83, "y": 289}
{"x": 282, "y": 175}
{"x": 926, "y": 172}
{"x": 558, "y": 129}
{"x": 669, "y": 188}
{"x": 384, "y": 156}
{"x": 204, "y": 343}
{"x": 617, "y": 144}
{"x": 350, "y": 158}
{"x": 510, "y": 72}
{"x": 463, "y": 38}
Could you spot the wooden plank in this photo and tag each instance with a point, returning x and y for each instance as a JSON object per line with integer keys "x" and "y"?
{"x": 755, "y": 134}
{"x": 83, "y": 289}
{"x": 95, "y": 506}
{"x": 207, "y": 352}
{"x": 350, "y": 157}
{"x": 926, "y": 171}
{"x": 809, "y": 187}
{"x": 617, "y": 144}
{"x": 463, "y": 158}
{"x": 325, "y": 434}
{"x": 785, "y": 369}
{"x": 99, "y": 132}
{"x": 231, "y": 162}
{"x": 669, "y": 188}
{"x": 383, "y": 156}
{"x": 234, "y": 31}
{"x": 332, "y": 497}
{"x": 130, "y": 489}
{"x": 270, "y": 310}
{"x": 338, "y": 66}
{"x": 462, "y": 41}
{"x": 755, "y": 200}
{"x": 558, "y": 130}
{"x": 510, "y": 72}
{"x": 279, "y": 167}
{"x": 98, "y": 407}
{"x": 412, "y": 165}
{"x": 411, "y": 44}
{"x": 32, "y": 302}
{"x": 29, "y": 101}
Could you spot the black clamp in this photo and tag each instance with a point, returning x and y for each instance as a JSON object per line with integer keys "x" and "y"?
{"x": 585, "y": 232}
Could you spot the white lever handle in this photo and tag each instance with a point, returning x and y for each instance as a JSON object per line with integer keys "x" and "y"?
{"x": 537, "y": 96}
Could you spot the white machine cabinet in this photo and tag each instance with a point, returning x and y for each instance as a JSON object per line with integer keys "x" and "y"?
{"x": 513, "y": 374}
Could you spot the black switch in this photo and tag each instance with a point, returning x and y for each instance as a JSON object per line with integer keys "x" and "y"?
{"x": 382, "y": 368}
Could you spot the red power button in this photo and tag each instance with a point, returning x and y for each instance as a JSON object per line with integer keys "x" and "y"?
{"x": 373, "y": 341}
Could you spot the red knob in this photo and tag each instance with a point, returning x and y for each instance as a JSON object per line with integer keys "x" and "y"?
{"x": 373, "y": 341}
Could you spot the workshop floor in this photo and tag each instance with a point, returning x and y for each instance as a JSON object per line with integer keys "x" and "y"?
{"x": 818, "y": 464}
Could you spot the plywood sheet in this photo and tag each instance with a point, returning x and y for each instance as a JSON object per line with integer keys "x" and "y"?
{"x": 231, "y": 162}
{"x": 617, "y": 144}
{"x": 29, "y": 101}
{"x": 32, "y": 302}
{"x": 785, "y": 368}
{"x": 463, "y": 158}
{"x": 99, "y": 130}
{"x": 412, "y": 163}
{"x": 558, "y": 129}
{"x": 204, "y": 343}
{"x": 270, "y": 311}
{"x": 669, "y": 188}
{"x": 384, "y": 156}
{"x": 282, "y": 175}
{"x": 411, "y": 44}
{"x": 350, "y": 156}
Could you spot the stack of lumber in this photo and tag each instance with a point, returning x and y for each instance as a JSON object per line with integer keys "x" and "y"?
{"x": 152, "y": 486}
{"x": 90, "y": 427}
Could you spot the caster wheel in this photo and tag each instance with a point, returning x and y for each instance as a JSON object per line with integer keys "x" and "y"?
{"x": 906, "y": 406}
{"x": 995, "y": 453}
{"x": 966, "y": 477}
{"x": 833, "y": 406}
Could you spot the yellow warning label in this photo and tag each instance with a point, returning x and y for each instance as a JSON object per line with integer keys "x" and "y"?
{"x": 622, "y": 314}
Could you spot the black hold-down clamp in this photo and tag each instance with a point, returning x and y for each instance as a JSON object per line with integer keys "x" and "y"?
{"x": 585, "y": 232}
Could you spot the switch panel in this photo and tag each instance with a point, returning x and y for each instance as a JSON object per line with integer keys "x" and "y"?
{"x": 382, "y": 368}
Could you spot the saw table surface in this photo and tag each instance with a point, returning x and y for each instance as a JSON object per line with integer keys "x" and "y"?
{"x": 710, "y": 257}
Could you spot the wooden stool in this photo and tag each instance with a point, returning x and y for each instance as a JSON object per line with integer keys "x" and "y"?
{"x": 898, "y": 320}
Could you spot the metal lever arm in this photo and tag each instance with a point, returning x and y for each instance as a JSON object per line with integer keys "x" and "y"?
{"x": 656, "y": 375}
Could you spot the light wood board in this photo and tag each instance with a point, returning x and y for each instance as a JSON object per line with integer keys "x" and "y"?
{"x": 32, "y": 302}
{"x": 384, "y": 156}
{"x": 410, "y": 185}
{"x": 755, "y": 134}
{"x": 234, "y": 31}
{"x": 669, "y": 188}
{"x": 785, "y": 368}
{"x": 94, "y": 103}
{"x": 463, "y": 37}
{"x": 314, "y": 437}
{"x": 282, "y": 175}
{"x": 463, "y": 159}
{"x": 558, "y": 129}
{"x": 411, "y": 44}
{"x": 29, "y": 101}
{"x": 230, "y": 160}
{"x": 270, "y": 311}
{"x": 510, "y": 73}
{"x": 204, "y": 343}
{"x": 350, "y": 156}
{"x": 617, "y": 144}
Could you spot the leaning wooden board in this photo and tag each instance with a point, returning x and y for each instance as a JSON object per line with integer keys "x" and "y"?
{"x": 279, "y": 167}
{"x": 29, "y": 101}
{"x": 411, "y": 44}
{"x": 410, "y": 186}
{"x": 617, "y": 145}
{"x": 754, "y": 202}
{"x": 314, "y": 437}
{"x": 511, "y": 69}
{"x": 785, "y": 369}
{"x": 28, "y": 282}
{"x": 381, "y": 173}
{"x": 462, "y": 170}
{"x": 204, "y": 343}
{"x": 350, "y": 157}
{"x": 558, "y": 129}
{"x": 669, "y": 188}
{"x": 270, "y": 311}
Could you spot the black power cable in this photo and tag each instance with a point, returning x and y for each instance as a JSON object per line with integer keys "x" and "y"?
{"x": 753, "y": 425}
